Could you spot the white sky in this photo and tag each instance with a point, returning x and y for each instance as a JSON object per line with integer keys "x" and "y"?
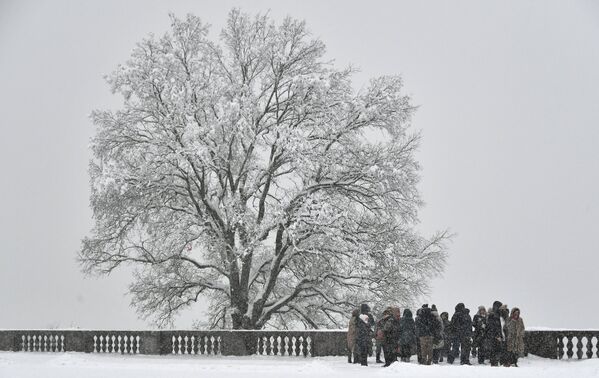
{"x": 509, "y": 95}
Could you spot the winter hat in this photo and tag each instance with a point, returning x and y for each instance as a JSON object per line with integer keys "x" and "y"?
{"x": 496, "y": 305}
{"x": 434, "y": 308}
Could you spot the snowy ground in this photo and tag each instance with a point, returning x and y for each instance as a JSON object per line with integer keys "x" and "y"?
{"x": 80, "y": 365}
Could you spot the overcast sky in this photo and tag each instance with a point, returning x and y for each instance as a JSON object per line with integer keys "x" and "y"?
{"x": 509, "y": 110}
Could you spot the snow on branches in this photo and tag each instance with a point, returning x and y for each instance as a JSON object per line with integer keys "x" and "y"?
{"x": 243, "y": 172}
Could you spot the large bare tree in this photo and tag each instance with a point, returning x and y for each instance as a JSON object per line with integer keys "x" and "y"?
{"x": 251, "y": 174}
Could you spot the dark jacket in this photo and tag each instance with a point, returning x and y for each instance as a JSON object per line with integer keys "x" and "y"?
{"x": 461, "y": 322}
{"x": 427, "y": 323}
{"x": 364, "y": 326}
{"x": 390, "y": 328}
{"x": 493, "y": 331}
{"x": 479, "y": 322}
{"x": 407, "y": 329}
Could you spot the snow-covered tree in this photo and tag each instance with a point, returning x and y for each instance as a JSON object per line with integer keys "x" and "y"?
{"x": 251, "y": 174}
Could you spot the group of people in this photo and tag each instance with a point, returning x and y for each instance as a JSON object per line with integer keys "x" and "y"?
{"x": 496, "y": 335}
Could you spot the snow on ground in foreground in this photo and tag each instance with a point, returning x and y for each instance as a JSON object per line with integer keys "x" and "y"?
{"x": 81, "y": 365}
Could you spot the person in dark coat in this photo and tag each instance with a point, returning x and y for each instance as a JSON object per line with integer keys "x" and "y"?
{"x": 504, "y": 315}
{"x": 407, "y": 336}
{"x": 494, "y": 334}
{"x": 479, "y": 323}
{"x": 461, "y": 326}
{"x": 446, "y": 336}
{"x": 426, "y": 328}
{"x": 390, "y": 329}
{"x": 364, "y": 327}
{"x": 379, "y": 337}
{"x": 438, "y": 337}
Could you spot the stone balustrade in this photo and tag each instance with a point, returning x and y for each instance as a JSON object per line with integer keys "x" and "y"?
{"x": 309, "y": 343}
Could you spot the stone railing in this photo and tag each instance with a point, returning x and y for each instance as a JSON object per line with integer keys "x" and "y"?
{"x": 548, "y": 344}
{"x": 563, "y": 344}
{"x": 238, "y": 343}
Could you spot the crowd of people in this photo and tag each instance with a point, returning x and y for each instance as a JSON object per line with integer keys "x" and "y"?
{"x": 495, "y": 335}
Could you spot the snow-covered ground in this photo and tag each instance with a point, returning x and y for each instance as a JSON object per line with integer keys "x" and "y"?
{"x": 81, "y": 365}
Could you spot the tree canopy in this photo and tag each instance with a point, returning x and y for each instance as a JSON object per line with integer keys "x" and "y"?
{"x": 249, "y": 172}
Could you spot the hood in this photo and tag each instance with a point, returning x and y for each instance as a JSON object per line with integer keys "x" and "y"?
{"x": 482, "y": 311}
{"x": 496, "y": 306}
{"x": 460, "y": 307}
{"x": 407, "y": 314}
{"x": 364, "y": 308}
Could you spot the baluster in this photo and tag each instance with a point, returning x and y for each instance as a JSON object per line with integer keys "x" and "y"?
{"x": 589, "y": 346}
{"x": 173, "y": 344}
{"x": 569, "y": 346}
{"x": 293, "y": 349}
{"x": 52, "y": 344}
{"x": 213, "y": 346}
{"x": 219, "y": 345}
{"x": 560, "y": 347}
{"x": 301, "y": 346}
{"x": 216, "y": 345}
{"x": 277, "y": 346}
{"x": 22, "y": 343}
{"x": 95, "y": 343}
{"x": 120, "y": 344}
{"x": 309, "y": 346}
{"x": 138, "y": 342}
{"x": 209, "y": 345}
{"x": 34, "y": 338}
{"x": 62, "y": 343}
{"x": 286, "y": 345}
{"x": 45, "y": 343}
{"x": 194, "y": 345}
{"x": 579, "y": 348}
{"x": 179, "y": 346}
{"x": 203, "y": 344}
{"x": 261, "y": 345}
{"x": 185, "y": 346}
